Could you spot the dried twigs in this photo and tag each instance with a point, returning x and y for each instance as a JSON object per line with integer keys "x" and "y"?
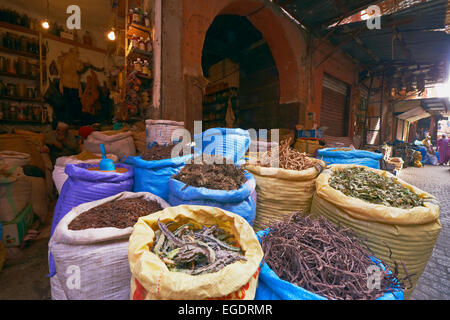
{"x": 288, "y": 158}
{"x": 322, "y": 258}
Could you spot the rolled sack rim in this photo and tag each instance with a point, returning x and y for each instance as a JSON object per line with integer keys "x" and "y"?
{"x": 285, "y": 174}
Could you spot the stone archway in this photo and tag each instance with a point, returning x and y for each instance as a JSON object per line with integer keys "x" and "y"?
{"x": 282, "y": 36}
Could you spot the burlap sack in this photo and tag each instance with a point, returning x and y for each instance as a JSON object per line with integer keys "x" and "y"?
{"x": 410, "y": 233}
{"x": 152, "y": 280}
{"x": 281, "y": 192}
{"x": 99, "y": 256}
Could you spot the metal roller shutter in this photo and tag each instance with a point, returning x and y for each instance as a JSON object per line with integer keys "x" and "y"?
{"x": 334, "y": 108}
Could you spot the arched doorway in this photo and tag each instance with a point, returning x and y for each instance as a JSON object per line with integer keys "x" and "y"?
{"x": 286, "y": 42}
{"x": 242, "y": 76}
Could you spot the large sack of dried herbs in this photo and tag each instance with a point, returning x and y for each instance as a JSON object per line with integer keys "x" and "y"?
{"x": 85, "y": 185}
{"x": 118, "y": 142}
{"x": 154, "y": 167}
{"x": 225, "y": 186}
{"x": 400, "y": 221}
{"x": 59, "y": 176}
{"x": 350, "y": 156}
{"x": 231, "y": 143}
{"x": 90, "y": 247}
{"x": 312, "y": 259}
{"x": 193, "y": 252}
{"x": 15, "y": 191}
{"x": 283, "y": 187}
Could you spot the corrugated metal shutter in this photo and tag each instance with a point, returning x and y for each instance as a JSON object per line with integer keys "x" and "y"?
{"x": 334, "y": 113}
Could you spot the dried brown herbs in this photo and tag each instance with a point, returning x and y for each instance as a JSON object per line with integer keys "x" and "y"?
{"x": 120, "y": 214}
{"x": 324, "y": 259}
{"x": 367, "y": 185}
{"x": 159, "y": 152}
{"x": 195, "y": 251}
{"x": 212, "y": 176}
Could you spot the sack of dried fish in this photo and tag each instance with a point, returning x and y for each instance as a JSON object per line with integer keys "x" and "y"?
{"x": 92, "y": 240}
{"x": 392, "y": 214}
{"x": 193, "y": 252}
{"x": 225, "y": 186}
{"x": 284, "y": 187}
{"x": 152, "y": 175}
{"x": 312, "y": 259}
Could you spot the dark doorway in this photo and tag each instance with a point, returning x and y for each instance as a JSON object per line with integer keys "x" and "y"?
{"x": 242, "y": 73}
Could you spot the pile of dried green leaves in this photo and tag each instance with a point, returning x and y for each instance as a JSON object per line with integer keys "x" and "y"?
{"x": 288, "y": 158}
{"x": 367, "y": 185}
{"x": 324, "y": 259}
{"x": 195, "y": 252}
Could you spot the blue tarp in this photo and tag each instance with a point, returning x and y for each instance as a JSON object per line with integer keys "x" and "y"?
{"x": 241, "y": 201}
{"x": 271, "y": 287}
{"x": 352, "y": 156}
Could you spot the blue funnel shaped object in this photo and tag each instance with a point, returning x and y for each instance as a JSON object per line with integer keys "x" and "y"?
{"x": 106, "y": 164}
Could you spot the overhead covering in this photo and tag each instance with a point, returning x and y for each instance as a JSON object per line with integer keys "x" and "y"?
{"x": 413, "y": 35}
{"x": 317, "y": 15}
{"x": 414, "y": 114}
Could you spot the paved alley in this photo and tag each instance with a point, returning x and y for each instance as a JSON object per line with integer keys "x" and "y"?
{"x": 434, "y": 284}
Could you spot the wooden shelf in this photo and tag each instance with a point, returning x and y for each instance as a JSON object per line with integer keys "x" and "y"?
{"x": 18, "y": 76}
{"x": 73, "y": 43}
{"x": 20, "y": 53}
{"x": 134, "y": 52}
{"x": 22, "y": 99}
{"x": 50, "y": 36}
{"x": 36, "y": 122}
{"x": 139, "y": 30}
{"x": 18, "y": 28}
{"x": 143, "y": 76}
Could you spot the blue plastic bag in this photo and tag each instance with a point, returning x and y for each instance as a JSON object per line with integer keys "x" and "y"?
{"x": 230, "y": 143}
{"x": 352, "y": 156}
{"x": 83, "y": 185}
{"x": 241, "y": 202}
{"x": 153, "y": 176}
{"x": 271, "y": 287}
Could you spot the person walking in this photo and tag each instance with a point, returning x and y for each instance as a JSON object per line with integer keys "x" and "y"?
{"x": 443, "y": 149}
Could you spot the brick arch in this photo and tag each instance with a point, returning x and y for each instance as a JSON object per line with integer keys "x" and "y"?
{"x": 199, "y": 15}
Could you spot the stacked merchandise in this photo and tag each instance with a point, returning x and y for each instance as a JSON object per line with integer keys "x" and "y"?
{"x": 16, "y": 213}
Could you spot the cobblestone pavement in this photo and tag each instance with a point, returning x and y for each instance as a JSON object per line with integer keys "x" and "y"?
{"x": 434, "y": 283}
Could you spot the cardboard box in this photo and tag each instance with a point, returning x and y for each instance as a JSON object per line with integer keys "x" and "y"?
{"x": 309, "y": 146}
{"x": 317, "y": 133}
{"x": 14, "y": 231}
